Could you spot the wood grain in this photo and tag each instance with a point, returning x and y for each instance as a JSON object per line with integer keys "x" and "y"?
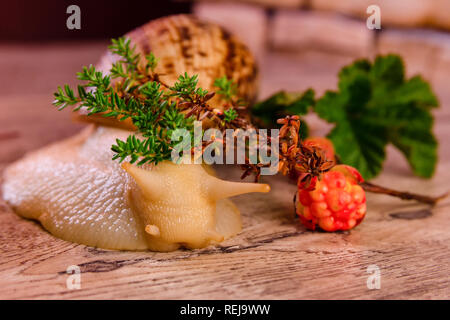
{"x": 273, "y": 258}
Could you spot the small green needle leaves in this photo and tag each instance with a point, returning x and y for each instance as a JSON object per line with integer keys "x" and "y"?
{"x": 136, "y": 93}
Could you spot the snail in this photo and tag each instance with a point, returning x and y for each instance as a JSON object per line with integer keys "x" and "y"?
{"x": 79, "y": 194}
{"x": 183, "y": 43}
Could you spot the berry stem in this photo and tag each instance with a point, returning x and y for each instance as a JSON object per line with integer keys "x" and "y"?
{"x": 370, "y": 187}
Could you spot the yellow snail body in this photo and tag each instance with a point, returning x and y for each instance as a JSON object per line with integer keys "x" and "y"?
{"x": 80, "y": 195}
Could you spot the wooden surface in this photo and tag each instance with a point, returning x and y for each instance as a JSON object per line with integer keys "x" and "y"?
{"x": 274, "y": 257}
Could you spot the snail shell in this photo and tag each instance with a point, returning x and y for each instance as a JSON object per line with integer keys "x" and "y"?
{"x": 183, "y": 43}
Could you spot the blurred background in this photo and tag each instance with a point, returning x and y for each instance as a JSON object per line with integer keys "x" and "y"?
{"x": 298, "y": 44}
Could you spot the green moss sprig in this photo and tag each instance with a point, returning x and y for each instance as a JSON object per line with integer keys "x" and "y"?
{"x": 133, "y": 90}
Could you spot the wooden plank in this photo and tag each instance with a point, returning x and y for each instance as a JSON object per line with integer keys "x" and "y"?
{"x": 274, "y": 257}
{"x": 305, "y": 30}
{"x": 399, "y": 13}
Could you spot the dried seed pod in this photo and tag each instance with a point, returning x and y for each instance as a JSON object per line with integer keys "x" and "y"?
{"x": 183, "y": 43}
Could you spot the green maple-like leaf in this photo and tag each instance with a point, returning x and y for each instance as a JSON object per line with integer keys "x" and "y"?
{"x": 376, "y": 105}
